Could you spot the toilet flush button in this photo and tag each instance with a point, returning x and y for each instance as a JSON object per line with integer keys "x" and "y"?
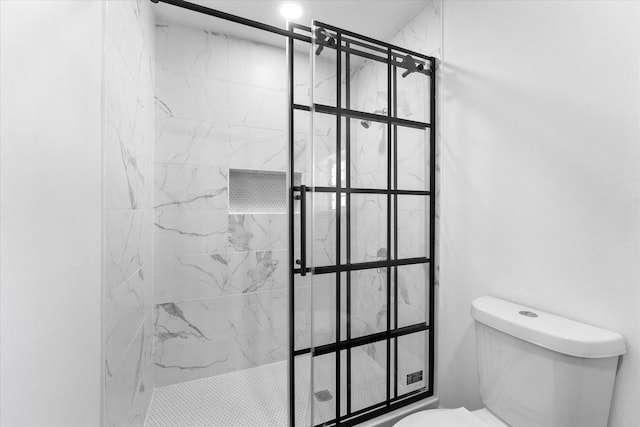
{"x": 528, "y": 313}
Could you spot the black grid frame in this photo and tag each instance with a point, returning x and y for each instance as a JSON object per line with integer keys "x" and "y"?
{"x": 343, "y": 43}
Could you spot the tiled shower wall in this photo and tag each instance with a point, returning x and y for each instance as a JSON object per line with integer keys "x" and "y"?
{"x": 220, "y": 276}
{"x": 128, "y": 280}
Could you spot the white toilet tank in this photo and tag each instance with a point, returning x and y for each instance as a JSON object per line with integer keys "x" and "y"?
{"x": 537, "y": 369}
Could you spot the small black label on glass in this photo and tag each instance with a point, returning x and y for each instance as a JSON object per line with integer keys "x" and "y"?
{"x": 414, "y": 377}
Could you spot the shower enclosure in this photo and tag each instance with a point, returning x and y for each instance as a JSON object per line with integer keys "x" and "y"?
{"x": 294, "y": 230}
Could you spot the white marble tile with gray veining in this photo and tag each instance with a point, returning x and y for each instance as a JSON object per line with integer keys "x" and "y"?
{"x": 324, "y": 238}
{"x": 189, "y": 361}
{"x": 412, "y": 294}
{"x": 207, "y": 337}
{"x": 256, "y": 148}
{"x": 190, "y": 232}
{"x": 146, "y": 384}
{"x": 257, "y": 271}
{"x": 190, "y": 277}
{"x": 413, "y": 233}
{"x": 301, "y": 78}
{"x": 190, "y": 187}
{"x": 194, "y": 142}
{"x": 194, "y": 97}
{"x": 162, "y": 116}
{"x": 186, "y": 361}
{"x": 324, "y": 158}
{"x": 125, "y": 308}
{"x": 369, "y": 156}
{"x": 257, "y": 232}
{"x": 128, "y": 135}
{"x": 257, "y": 64}
{"x": 128, "y": 252}
{"x": 301, "y": 147}
{"x": 192, "y": 51}
{"x": 413, "y": 97}
{"x": 122, "y": 382}
{"x": 369, "y": 301}
{"x": 369, "y": 87}
{"x": 124, "y": 250}
{"x": 413, "y": 159}
{"x": 302, "y": 315}
{"x": 257, "y": 107}
{"x": 213, "y": 319}
{"x": 324, "y": 79}
{"x": 368, "y": 227}
{"x": 423, "y": 32}
{"x": 125, "y": 22}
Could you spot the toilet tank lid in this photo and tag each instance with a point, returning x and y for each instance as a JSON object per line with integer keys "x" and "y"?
{"x": 547, "y": 330}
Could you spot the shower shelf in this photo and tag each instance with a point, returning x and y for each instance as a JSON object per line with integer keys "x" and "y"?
{"x": 257, "y": 191}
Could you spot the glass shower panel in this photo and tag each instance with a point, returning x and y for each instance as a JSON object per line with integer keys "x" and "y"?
{"x": 302, "y": 399}
{"x": 301, "y": 73}
{"x": 301, "y": 292}
{"x": 368, "y": 150}
{"x": 324, "y": 238}
{"x": 412, "y": 93}
{"x": 412, "y": 290}
{"x": 369, "y": 79}
{"x": 368, "y": 302}
{"x": 324, "y": 69}
{"x": 413, "y": 226}
{"x": 301, "y": 314}
{"x": 368, "y": 227}
{"x": 368, "y": 375}
{"x": 220, "y": 233}
{"x": 413, "y": 154}
{"x": 324, "y": 309}
{"x": 302, "y": 153}
{"x": 325, "y": 154}
{"x": 412, "y": 370}
{"x": 371, "y": 213}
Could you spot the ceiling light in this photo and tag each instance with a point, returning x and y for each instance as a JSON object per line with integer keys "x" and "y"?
{"x": 291, "y": 10}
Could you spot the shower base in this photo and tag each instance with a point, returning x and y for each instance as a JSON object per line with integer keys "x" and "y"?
{"x": 257, "y": 397}
{"x": 250, "y": 397}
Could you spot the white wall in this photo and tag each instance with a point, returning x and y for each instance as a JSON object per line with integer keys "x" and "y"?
{"x": 541, "y": 174}
{"x": 50, "y": 264}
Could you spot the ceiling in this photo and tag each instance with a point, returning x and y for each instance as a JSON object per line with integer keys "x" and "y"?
{"x": 379, "y": 19}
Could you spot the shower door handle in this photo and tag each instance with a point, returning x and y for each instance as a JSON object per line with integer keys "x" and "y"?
{"x": 302, "y": 262}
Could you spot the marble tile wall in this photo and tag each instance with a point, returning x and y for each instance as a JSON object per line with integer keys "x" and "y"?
{"x": 220, "y": 276}
{"x": 129, "y": 215}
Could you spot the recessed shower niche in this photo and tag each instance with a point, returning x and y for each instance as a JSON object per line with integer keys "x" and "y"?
{"x": 257, "y": 191}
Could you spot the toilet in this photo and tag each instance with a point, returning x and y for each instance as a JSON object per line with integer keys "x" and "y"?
{"x": 535, "y": 370}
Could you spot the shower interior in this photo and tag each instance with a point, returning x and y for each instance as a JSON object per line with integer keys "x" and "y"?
{"x": 260, "y": 319}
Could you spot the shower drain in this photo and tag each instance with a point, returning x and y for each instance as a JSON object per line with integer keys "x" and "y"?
{"x": 323, "y": 395}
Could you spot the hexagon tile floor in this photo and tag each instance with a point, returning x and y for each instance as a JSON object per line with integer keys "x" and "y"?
{"x": 257, "y": 397}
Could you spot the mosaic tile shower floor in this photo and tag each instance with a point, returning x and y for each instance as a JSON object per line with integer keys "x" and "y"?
{"x": 257, "y": 397}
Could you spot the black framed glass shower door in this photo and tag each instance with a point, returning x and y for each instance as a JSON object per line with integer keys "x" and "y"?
{"x": 362, "y": 228}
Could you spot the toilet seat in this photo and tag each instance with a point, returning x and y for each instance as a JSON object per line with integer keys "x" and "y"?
{"x": 459, "y": 417}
